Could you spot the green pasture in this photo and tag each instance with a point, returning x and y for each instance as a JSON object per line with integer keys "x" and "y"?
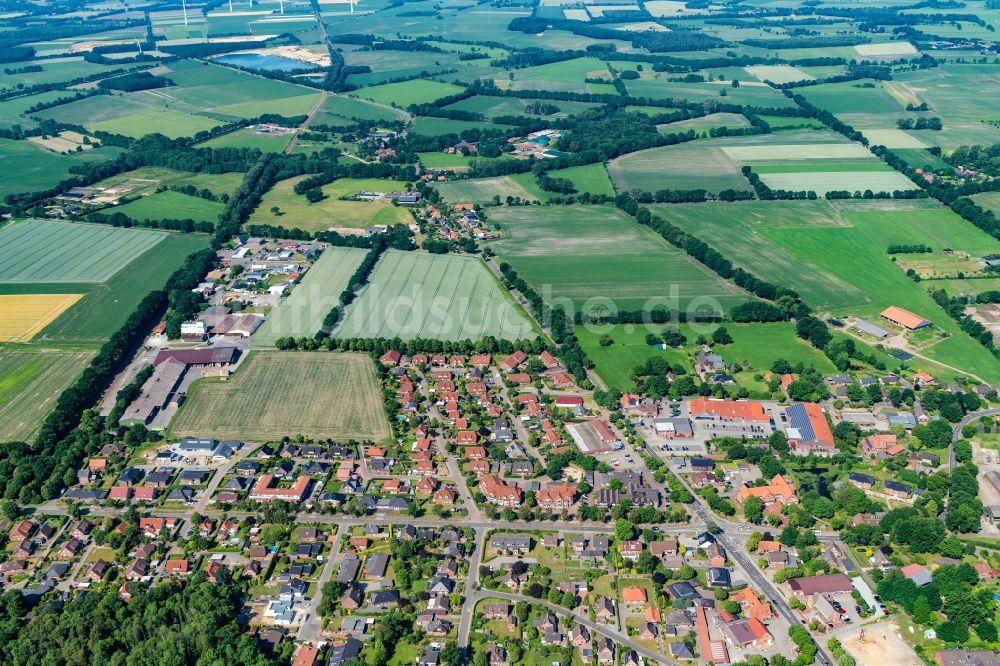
{"x": 27, "y": 167}
{"x": 579, "y": 253}
{"x": 170, "y": 205}
{"x": 295, "y": 211}
{"x": 404, "y": 94}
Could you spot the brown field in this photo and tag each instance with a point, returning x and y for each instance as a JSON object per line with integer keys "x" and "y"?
{"x": 22, "y": 316}
{"x": 278, "y": 394}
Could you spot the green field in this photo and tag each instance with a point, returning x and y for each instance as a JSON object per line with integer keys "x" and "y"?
{"x": 250, "y": 138}
{"x": 106, "y": 305}
{"x": 756, "y": 345}
{"x": 296, "y": 212}
{"x": 40, "y": 251}
{"x": 277, "y": 394}
{"x": 170, "y": 205}
{"x": 427, "y": 126}
{"x": 301, "y": 313}
{"x": 342, "y": 110}
{"x": 408, "y": 92}
{"x": 26, "y": 167}
{"x": 596, "y": 252}
{"x": 482, "y": 190}
{"x": 591, "y": 178}
{"x": 146, "y": 180}
{"x": 686, "y": 166}
{"x": 491, "y": 106}
{"x": 447, "y": 297}
{"x": 834, "y": 257}
{"x": 703, "y": 123}
{"x": 30, "y": 384}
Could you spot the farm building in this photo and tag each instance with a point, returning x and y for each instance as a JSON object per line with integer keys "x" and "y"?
{"x": 904, "y": 318}
{"x": 209, "y": 357}
{"x": 587, "y": 438}
{"x": 871, "y": 329}
{"x": 157, "y": 393}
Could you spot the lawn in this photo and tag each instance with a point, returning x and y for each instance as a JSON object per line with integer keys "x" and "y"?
{"x": 37, "y": 251}
{"x": 274, "y": 394}
{"x": 294, "y": 211}
{"x": 26, "y": 167}
{"x": 302, "y": 312}
{"x": 105, "y": 305}
{"x": 759, "y": 345}
{"x": 406, "y": 93}
{"x": 447, "y": 297}
{"x": 834, "y": 256}
{"x": 170, "y": 205}
{"x": 598, "y": 254}
{"x": 30, "y": 383}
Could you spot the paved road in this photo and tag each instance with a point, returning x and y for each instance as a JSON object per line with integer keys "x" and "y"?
{"x": 309, "y": 632}
{"x": 583, "y": 619}
{"x": 471, "y": 584}
{"x": 956, "y": 434}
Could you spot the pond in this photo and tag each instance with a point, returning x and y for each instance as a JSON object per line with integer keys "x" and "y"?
{"x": 267, "y": 63}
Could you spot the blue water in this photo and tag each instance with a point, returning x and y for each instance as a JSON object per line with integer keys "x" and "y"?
{"x": 267, "y": 63}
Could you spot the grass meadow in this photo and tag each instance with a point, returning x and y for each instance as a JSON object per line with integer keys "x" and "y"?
{"x": 296, "y": 212}
{"x": 26, "y": 166}
{"x": 30, "y": 383}
{"x": 446, "y": 297}
{"x": 276, "y": 394}
{"x": 597, "y": 252}
{"x": 406, "y": 93}
{"x": 170, "y": 205}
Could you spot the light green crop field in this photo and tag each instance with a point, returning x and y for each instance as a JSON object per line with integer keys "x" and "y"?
{"x": 446, "y": 297}
{"x": 437, "y": 126}
{"x": 301, "y": 313}
{"x": 408, "y": 92}
{"x": 711, "y": 121}
{"x": 596, "y": 252}
{"x": 30, "y": 383}
{"x": 834, "y": 257}
{"x": 26, "y": 167}
{"x": 296, "y": 212}
{"x": 250, "y": 138}
{"x": 38, "y": 251}
{"x": 155, "y": 119}
{"x": 591, "y": 178}
{"x": 759, "y": 345}
{"x": 170, "y": 205}
{"x": 686, "y": 166}
{"x": 277, "y": 394}
{"x": 822, "y": 182}
{"x": 106, "y": 305}
{"x": 566, "y": 75}
{"x": 342, "y": 110}
{"x": 482, "y": 190}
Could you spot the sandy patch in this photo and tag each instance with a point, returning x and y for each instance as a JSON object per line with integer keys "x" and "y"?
{"x": 882, "y": 645}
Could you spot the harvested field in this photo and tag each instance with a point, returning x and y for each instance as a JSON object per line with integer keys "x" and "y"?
{"x": 886, "y": 49}
{"x": 797, "y": 151}
{"x": 22, "y": 316}
{"x": 30, "y": 384}
{"x": 42, "y": 251}
{"x": 302, "y": 312}
{"x": 481, "y": 190}
{"x": 822, "y": 182}
{"x": 274, "y": 394}
{"x": 778, "y": 73}
{"x": 448, "y": 297}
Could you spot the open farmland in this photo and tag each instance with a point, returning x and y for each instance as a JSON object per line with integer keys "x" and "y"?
{"x": 447, "y": 297}
{"x": 596, "y": 252}
{"x": 295, "y": 211}
{"x": 301, "y": 313}
{"x": 105, "y": 305}
{"x": 686, "y": 166}
{"x": 26, "y": 166}
{"x": 170, "y": 205}
{"x": 834, "y": 256}
{"x": 822, "y": 182}
{"x": 42, "y": 251}
{"x": 22, "y": 316}
{"x": 30, "y": 383}
{"x": 482, "y": 190}
{"x": 277, "y": 394}
{"x": 410, "y": 92}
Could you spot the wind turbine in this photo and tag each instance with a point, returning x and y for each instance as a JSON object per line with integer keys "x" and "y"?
{"x": 184, "y": 7}
{"x": 139, "y": 45}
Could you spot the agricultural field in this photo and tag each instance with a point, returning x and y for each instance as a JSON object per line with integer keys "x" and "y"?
{"x": 834, "y": 256}
{"x": 147, "y": 180}
{"x": 482, "y": 190}
{"x": 778, "y": 73}
{"x": 39, "y": 251}
{"x": 296, "y": 212}
{"x": 342, "y": 110}
{"x": 446, "y": 297}
{"x": 170, "y": 205}
{"x": 410, "y": 92}
{"x": 592, "y": 178}
{"x": 704, "y": 123}
{"x": 105, "y": 305}
{"x": 22, "y": 316}
{"x": 249, "y": 137}
{"x": 302, "y": 312}
{"x": 26, "y": 166}
{"x": 30, "y": 383}
{"x": 597, "y": 255}
{"x": 512, "y": 106}
{"x": 686, "y": 166}
{"x": 276, "y": 394}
